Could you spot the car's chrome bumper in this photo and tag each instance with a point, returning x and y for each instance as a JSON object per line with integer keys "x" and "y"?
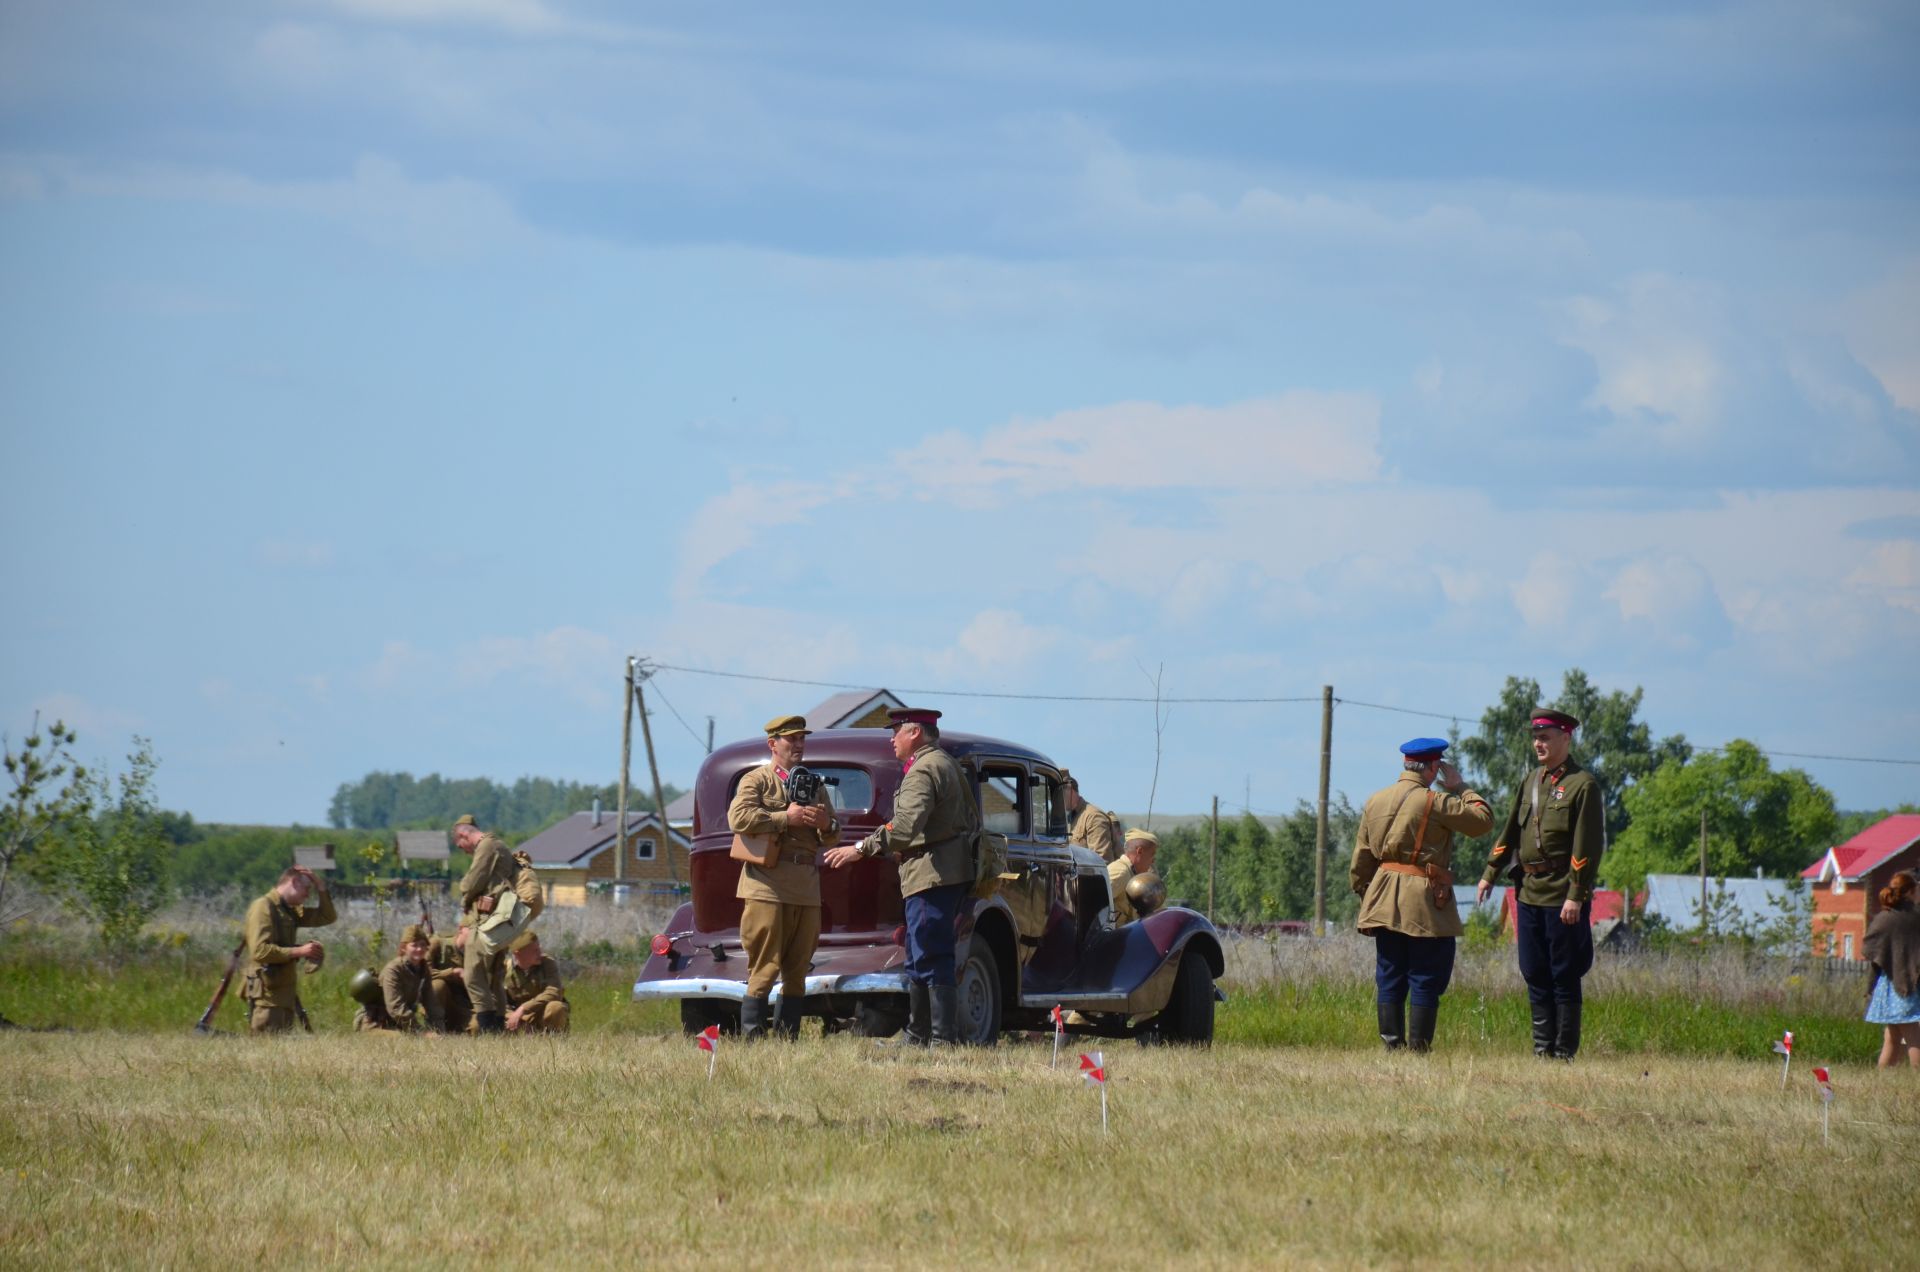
{"x": 733, "y": 990}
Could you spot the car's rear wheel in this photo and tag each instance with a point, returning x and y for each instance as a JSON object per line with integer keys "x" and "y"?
{"x": 1188, "y": 1018}
{"x": 697, "y": 1013}
{"x": 979, "y": 995}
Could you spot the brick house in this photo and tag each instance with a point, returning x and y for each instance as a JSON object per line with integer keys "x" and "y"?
{"x": 580, "y": 853}
{"x": 1847, "y": 881}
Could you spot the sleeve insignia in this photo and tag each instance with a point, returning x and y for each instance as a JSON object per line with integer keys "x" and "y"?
{"x": 1580, "y": 863}
{"x": 1498, "y": 849}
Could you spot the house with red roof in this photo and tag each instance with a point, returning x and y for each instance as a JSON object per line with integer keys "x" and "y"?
{"x": 1609, "y": 907}
{"x": 1848, "y": 878}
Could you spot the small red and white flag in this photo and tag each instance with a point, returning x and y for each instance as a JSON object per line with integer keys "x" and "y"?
{"x": 1785, "y": 1045}
{"x": 1059, "y": 1017}
{"x": 1059, "y": 1032}
{"x": 1093, "y": 1068}
{"x": 708, "y": 1040}
{"x": 1826, "y": 1086}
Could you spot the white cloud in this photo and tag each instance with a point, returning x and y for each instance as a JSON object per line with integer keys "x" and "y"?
{"x": 1883, "y": 330}
{"x": 1671, "y": 600}
{"x": 1655, "y": 347}
{"x": 1892, "y": 573}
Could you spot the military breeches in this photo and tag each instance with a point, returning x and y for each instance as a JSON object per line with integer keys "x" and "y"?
{"x": 363, "y": 1023}
{"x": 450, "y": 997}
{"x": 780, "y": 940}
{"x": 546, "y": 1018}
{"x": 265, "y": 1019}
{"x": 1553, "y": 955}
{"x": 486, "y": 979}
{"x": 931, "y": 916}
{"x": 1416, "y": 966}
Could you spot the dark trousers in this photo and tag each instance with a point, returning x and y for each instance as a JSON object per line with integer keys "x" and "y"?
{"x": 1416, "y": 966}
{"x": 930, "y": 937}
{"x": 1553, "y": 955}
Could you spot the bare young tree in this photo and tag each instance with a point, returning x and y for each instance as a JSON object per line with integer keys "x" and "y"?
{"x": 49, "y": 790}
{"x": 1160, "y": 718}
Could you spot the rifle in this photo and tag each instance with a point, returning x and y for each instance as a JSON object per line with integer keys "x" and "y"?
{"x": 426, "y": 917}
{"x": 220, "y": 994}
{"x": 301, "y": 1008}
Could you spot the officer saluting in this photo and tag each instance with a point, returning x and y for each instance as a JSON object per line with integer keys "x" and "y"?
{"x": 935, "y": 813}
{"x": 1401, "y": 867}
{"x": 1551, "y": 848}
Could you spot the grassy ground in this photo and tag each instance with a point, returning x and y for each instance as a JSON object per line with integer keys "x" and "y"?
{"x": 172, "y": 1150}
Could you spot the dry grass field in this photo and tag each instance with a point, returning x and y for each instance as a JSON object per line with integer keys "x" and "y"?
{"x": 170, "y": 1150}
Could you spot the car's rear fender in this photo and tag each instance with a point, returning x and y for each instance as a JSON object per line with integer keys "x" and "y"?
{"x": 1131, "y": 969}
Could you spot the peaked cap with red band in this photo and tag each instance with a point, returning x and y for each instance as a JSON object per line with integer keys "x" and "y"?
{"x": 1548, "y": 718}
{"x": 912, "y": 715}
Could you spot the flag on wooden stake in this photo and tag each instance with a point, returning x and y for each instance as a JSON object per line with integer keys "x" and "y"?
{"x": 1826, "y": 1086}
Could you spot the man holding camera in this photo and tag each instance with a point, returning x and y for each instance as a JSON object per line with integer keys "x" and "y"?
{"x": 1551, "y": 848}
{"x": 780, "y": 914}
{"x": 1403, "y": 870}
{"x": 936, "y": 812}
{"x": 272, "y": 927}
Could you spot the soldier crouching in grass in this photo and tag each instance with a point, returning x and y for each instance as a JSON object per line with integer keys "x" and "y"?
{"x": 272, "y": 987}
{"x": 447, "y": 989}
{"x": 1401, "y": 869}
{"x": 399, "y": 997}
{"x": 1551, "y": 846}
{"x": 533, "y": 988}
{"x": 780, "y": 910}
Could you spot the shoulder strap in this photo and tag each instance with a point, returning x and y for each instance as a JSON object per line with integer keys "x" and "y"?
{"x": 1420, "y": 835}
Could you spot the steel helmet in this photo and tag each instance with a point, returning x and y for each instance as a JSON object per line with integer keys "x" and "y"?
{"x": 364, "y": 988}
{"x": 1146, "y": 892}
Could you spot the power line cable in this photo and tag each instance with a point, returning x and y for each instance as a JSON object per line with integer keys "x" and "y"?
{"x": 676, "y": 715}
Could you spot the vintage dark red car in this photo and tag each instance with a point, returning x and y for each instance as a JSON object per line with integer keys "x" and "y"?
{"x": 1046, "y": 940}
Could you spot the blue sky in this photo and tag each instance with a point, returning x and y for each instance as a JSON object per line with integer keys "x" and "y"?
{"x": 377, "y": 374}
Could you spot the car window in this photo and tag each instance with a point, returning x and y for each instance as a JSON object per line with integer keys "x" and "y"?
{"x": 1047, "y": 799}
{"x": 1001, "y": 807}
{"x": 853, "y": 792}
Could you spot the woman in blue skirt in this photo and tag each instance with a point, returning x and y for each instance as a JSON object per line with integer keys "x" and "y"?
{"x": 1893, "y": 995}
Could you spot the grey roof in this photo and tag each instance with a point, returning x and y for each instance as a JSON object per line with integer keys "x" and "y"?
{"x": 848, "y": 705}
{"x": 680, "y": 810}
{"x": 314, "y": 856}
{"x": 423, "y": 845}
{"x": 572, "y": 840}
{"x": 1676, "y": 898}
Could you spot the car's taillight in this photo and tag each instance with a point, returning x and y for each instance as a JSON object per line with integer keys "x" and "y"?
{"x": 662, "y": 945}
{"x": 900, "y": 935}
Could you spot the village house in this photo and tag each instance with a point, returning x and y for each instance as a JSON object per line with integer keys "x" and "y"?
{"x": 315, "y": 857}
{"x": 579, "y": 854}
{"x": 1847, "y": 880}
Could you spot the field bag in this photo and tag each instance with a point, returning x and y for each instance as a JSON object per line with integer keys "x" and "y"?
{"x": 989, "y": 863}
{"x": 526, "y": 886}
{"x": 756, "y": 850}
{"x": 509, "y": 919}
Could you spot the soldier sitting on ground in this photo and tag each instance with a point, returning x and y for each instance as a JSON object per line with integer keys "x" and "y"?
{"x": 447, "y": 989}
{"x": 402, "y": 1002}
{"x": 533, "y": 988}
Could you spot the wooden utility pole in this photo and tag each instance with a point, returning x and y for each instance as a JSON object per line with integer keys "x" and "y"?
{"x": 626, "y": 764}
{"x": 1320, "y": 823}
{"x": 1213, "y": 853}
{"x": 709, "y": 735}
{"x": 1703, "y": 870}
{"x": 653, "y": 763}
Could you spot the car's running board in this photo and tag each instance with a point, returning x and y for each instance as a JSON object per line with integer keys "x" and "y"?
{"x": 1111, "y": 1001}
{"x": 715, "y": 987}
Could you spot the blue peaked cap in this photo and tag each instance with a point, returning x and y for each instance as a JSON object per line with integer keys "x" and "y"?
{"x": 1423, "y": 748}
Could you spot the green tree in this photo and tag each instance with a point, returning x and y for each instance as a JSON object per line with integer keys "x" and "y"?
{"x": 1265, "y": 868}
{"x": 112, "y": 868}
{"x": 1757, "y": 817}
{"x": 1852, "y": 823}
{"x": 49, "y": 792}
{"x": 384, "y": 801}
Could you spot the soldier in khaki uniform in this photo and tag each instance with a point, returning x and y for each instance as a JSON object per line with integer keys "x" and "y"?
{"x": 448, "y": 987}
{"x": 936, "y": 812}
{"x": 533, "y": 987}
{"x": 1142, "y": 847}
{"x": 1401, "y": 870}
{"x": 780, "y": 917}
{"x": 1551, "y": 847}
{"x": 491, "y": 874}
{"x": 404, "y": 983}
{"x": 272, "y": 988}
{"x": 1093, "y": 828}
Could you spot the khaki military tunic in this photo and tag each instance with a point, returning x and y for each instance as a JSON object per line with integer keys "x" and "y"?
{"x": 272, "y": 985}
{"x": 537, "y": 993}
{"x": 1095, "y": 829}
{"x": 1119, "y": 874}
{"x": 760, "y": 808}
{"x": 491, "y": 874}
{"x": 1390, "y": 823}
{"x": 935, "y": 813}
{"x": 447, "y": 987}
{"x": 1554, "y": 838}
{"x": 403, "y": 993}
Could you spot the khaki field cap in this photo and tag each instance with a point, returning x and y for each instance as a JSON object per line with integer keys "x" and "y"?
{"x": 1145, "y": 836}
{"x": 521, "y": 942}
{"x": 787, "y": 726}
{"x": 413, "y": 933}
{"x": 465, "y": 819}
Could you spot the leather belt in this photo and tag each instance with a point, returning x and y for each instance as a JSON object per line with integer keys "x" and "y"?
{"x": 1401, "y": 867}
{"x": 799, "y": 858}
{"x": 1541, "y": 867}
